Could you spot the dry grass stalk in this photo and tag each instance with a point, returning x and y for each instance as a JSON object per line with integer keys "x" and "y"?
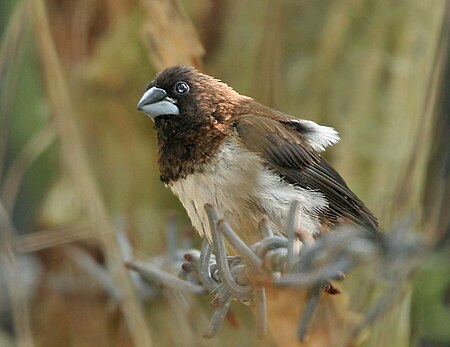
{"x": 267, "y": 81}
{"x": 44, "y": 239}
{"x": 415, "y": 171}
{"x": 74, "y": 157}
{"x": 171, "y": 37}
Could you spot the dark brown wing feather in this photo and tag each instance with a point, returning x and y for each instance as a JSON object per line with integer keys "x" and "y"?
{"x": 289, "y": 154}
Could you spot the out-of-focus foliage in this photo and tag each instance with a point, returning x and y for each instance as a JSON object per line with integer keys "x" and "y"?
{"x": 78, "y": 161}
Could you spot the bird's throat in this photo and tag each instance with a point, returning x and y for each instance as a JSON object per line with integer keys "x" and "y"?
{"x": 185, "y": 146}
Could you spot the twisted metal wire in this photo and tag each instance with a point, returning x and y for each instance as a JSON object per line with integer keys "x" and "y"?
{"x": 275, "y": 260}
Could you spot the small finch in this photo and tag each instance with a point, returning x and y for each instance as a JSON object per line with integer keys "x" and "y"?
{"x": 219, "y": 147}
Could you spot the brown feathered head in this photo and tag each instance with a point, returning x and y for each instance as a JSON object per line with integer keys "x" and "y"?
{"x": 184, "y": 91}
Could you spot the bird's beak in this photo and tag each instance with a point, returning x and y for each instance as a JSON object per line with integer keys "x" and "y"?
{"x": 155, "y": 103}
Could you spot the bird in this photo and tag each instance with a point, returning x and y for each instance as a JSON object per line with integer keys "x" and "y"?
{"x": 216, "y": 146}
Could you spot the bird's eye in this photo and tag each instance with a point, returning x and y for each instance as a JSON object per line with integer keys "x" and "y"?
{"x": 181, "y": 88}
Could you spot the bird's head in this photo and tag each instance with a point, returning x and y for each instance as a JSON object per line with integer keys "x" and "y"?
{"x": 182, "y": 91}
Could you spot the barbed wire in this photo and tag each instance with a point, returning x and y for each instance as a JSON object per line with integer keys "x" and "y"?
{"x": 297, "y": 261}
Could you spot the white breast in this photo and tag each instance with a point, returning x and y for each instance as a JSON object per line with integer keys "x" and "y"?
{"x": 242, "y": 190}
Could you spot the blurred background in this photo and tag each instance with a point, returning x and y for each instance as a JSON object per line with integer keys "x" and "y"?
{"x": 77, "y": 160}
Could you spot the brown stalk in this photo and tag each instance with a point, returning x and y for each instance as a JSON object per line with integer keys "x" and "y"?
{"x": 74, "y": 156}
{"x": 267, "y": 79}
{"x": 412, "y": 181}
{"x": 44, "y": 239}
{"x": 171, "y": 37}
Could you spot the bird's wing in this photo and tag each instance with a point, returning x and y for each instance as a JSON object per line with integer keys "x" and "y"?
{"x": 290, "y": 149}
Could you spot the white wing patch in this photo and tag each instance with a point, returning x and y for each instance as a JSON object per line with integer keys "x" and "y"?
{"x": 318, "y": 136}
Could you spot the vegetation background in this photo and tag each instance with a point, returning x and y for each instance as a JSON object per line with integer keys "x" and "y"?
{"x": 77, "y": 160}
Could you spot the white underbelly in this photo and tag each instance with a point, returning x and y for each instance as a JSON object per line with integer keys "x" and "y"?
{"x": 243, "y": 189}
